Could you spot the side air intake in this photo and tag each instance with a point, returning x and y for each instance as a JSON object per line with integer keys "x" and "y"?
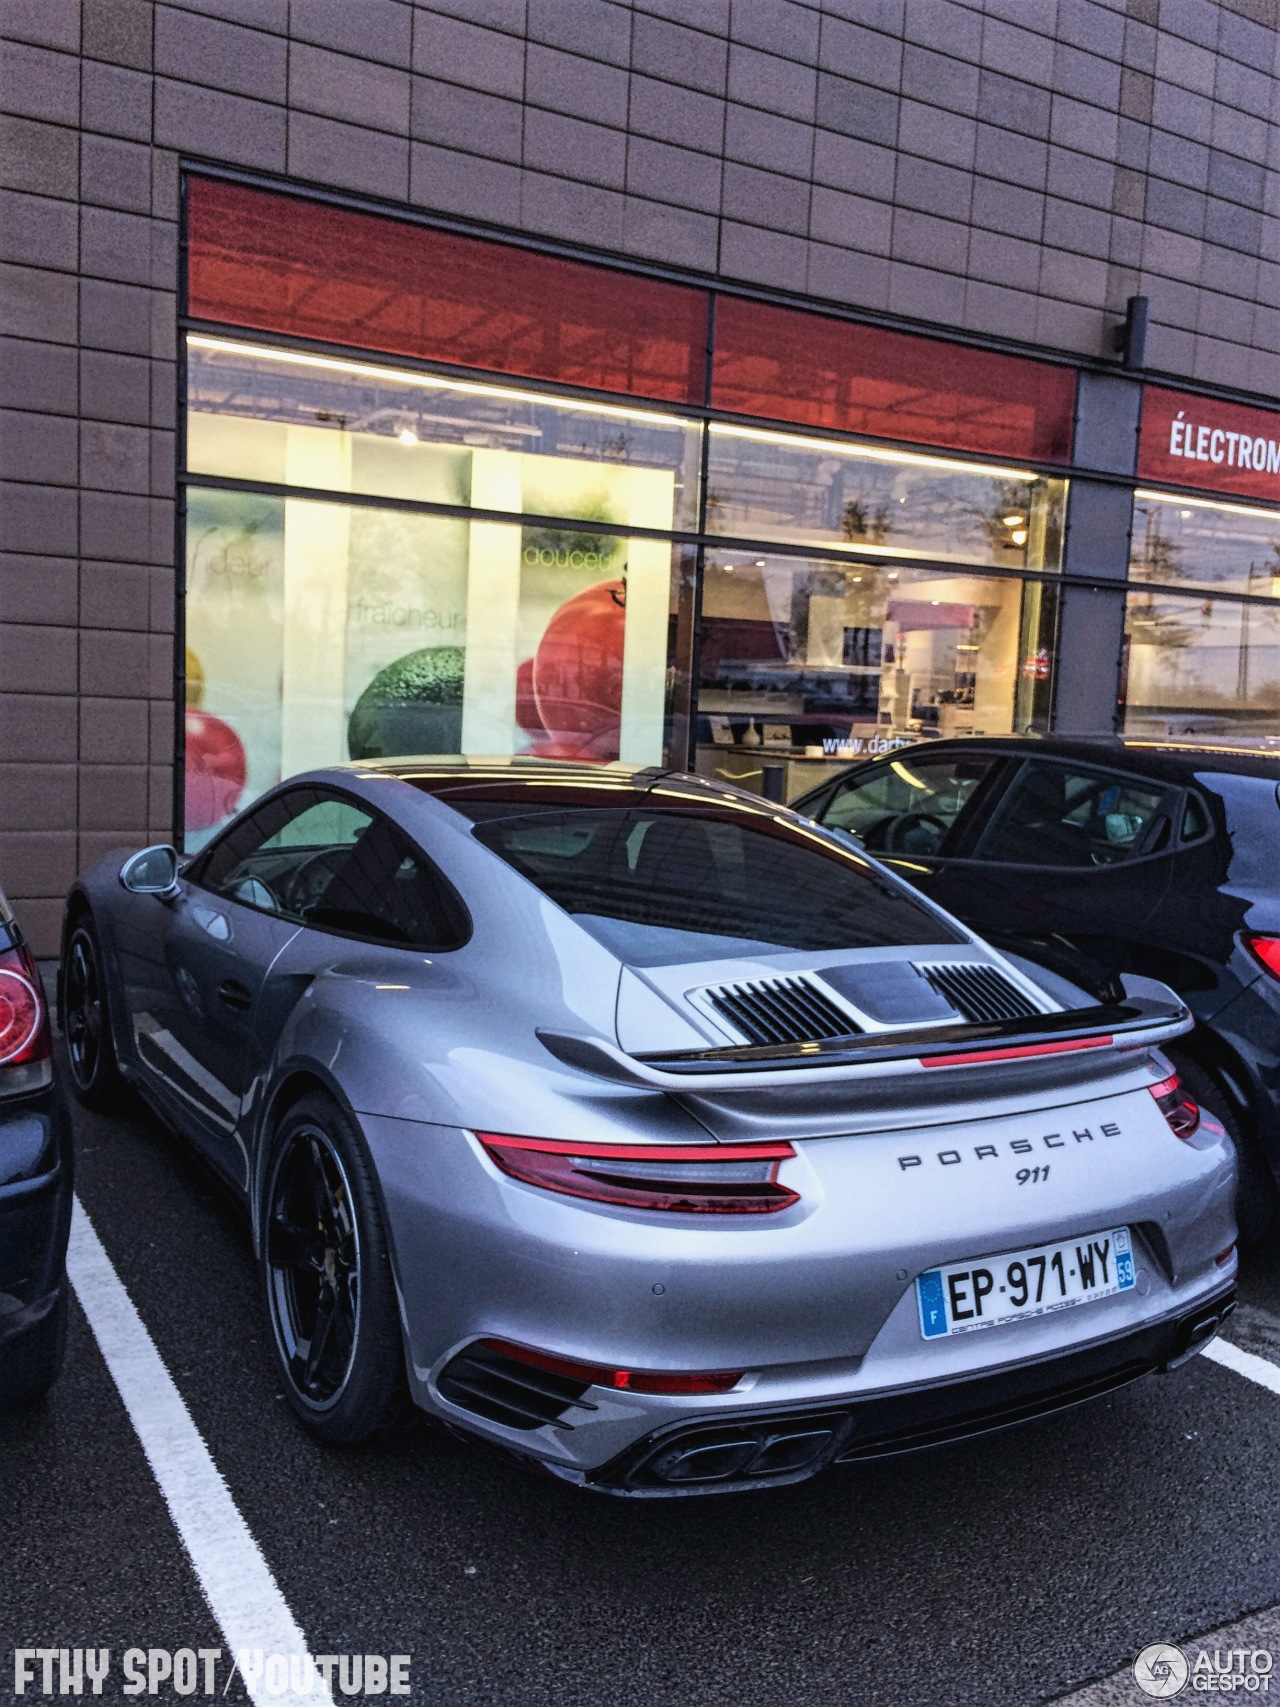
{"x": 520, "y": 1395}
{"x": 980, "y": 993}
{"x": 780, "y": 1010}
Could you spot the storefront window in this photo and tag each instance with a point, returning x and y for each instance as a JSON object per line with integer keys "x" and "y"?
{"x": 1224, "y": 548}
{"x": 318, "y": 632}
{"x": 804, "y": 664}
{"x": 880, "y": 502}
{"x": 1201, "y": 666}
{"x": 300, "y": 419}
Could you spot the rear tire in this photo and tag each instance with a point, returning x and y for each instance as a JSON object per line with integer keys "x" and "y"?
{"x": 326, "y": 1278}
{"x": 1255, "y": 1189}
{"x": 30, "y": 1364}
{"x": 91, "y": 1052}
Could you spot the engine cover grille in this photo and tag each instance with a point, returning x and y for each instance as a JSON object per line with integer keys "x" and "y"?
{"x": 780, "y": 1010}
{"x": 980, "y": 993}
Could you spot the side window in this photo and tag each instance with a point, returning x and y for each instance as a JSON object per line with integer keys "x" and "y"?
{"x": 1058, "y": 814}
{"x": 1195, "y": 819}
{"x": 329, "y": 863}
{"x": 904, "y": 804}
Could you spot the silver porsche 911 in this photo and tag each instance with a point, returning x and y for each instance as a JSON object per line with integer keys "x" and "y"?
{"x": 645, "y": 1129}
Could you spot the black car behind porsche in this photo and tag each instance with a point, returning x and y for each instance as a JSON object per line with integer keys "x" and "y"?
{"x": 1099, "y": 856}
{"x": 35, "y": 1182}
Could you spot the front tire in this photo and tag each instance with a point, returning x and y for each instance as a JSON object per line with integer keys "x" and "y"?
{"x": 326, "y": 1277}
{"x": 95, "y": 1072}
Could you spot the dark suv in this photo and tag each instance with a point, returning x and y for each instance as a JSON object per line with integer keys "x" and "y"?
{"x": 1100, "y": 856}
{"x": 35, "y": 1182}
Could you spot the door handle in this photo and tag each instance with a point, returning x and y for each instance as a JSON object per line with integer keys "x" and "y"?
{"x": 235, "y": 995}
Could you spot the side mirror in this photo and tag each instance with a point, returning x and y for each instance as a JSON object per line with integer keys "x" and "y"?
{"x": 154, "y": 871}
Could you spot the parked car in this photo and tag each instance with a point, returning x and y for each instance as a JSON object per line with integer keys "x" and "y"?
{"x": 644, "y": 1129}
{"x": 35, "y": 1182}
{"x": 1099, "y": 857}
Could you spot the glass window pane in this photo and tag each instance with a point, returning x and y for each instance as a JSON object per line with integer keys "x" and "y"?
{"x": 804, "y": 665}
{"x": 1056, "y": 814}
{"x": 1224, "y": 548}
{"x": 879, "y": 502}
{"x": 299, "y": 419}
{"x": 286, "y": 264}
{"x": 320, "y": 632}
{"x": 1201, "y": 666}
{"x": 325, "y": 862}
{"x": 663, "y": 887}
{"x": 905, "y": 804}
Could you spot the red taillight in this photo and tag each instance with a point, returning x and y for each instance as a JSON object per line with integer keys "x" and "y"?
{"x": 24, "y": 1024}
{"x": 1266, "y": 951}
{"x": 621, "y": 1380}
{"x": 696, "y": 1179}
{"x": 1177, "y": 1107}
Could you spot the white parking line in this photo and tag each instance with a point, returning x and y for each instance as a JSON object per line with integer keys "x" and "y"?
{"x": 1244, "y": 1363}
{"x": 237, "y": 1581}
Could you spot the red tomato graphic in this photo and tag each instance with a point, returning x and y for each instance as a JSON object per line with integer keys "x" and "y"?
{"x": 577, "y": 674}
{"x": 216, "y": 770}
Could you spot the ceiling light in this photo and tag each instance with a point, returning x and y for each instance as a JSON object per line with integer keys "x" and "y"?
{"x": 407, "y": 436}
{"x": 1019, "y": 536}
{"x": 1013, "y": 521}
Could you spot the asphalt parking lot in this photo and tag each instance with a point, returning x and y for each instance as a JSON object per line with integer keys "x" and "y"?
{"x": 1002, "y": 1571}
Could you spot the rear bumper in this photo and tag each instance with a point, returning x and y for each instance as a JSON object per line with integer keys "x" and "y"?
{"x": 35, "y": 1211}
{"x": 758, "y": 1449}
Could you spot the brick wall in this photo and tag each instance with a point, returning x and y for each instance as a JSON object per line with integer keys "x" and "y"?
{"x": 1016, "y": 167}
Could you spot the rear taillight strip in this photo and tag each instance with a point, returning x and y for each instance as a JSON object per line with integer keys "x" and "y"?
{"x": 673, "y": 1178}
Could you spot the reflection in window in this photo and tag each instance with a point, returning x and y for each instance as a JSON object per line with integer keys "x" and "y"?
{"x": 319, "y": 632}
{"x": 297, "y": 419}
{"x": 1055, "y": 814}
{"x": 880, "y": 502}
{"x": 806, "y": 664}
{"x": 1225, "y": 548}
{"x": 1201, "y": 666}
{"x": 907, "y": 804}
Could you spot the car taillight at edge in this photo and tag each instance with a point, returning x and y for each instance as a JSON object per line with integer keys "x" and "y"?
{"x": 697, "y": 1179}
{"x": 1180, "y": 1110}
{"x": 1266, "y": 951}
{"x": 24, "y": 1022}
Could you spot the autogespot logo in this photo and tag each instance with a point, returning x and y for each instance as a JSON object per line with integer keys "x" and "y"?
{"x": 1161, "y": 1671}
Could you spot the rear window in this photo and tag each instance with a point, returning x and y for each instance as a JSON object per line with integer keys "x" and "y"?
{"x": 659, "y": 886}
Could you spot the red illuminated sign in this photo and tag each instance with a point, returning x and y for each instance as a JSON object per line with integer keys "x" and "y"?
{"x": 786, "y": 364}
{"x": 279, "y": 263}
{"x": 1204, "y": 442}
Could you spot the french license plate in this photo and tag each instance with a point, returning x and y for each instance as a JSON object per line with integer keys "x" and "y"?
{"x": 964, "y": 1296}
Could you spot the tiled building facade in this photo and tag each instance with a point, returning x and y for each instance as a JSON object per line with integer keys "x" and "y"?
{"x": 1010, "y": 171}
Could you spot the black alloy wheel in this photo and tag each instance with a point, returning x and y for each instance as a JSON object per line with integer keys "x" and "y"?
{"x": 90, "y": 1049}
{"x": 327, "y": 1278}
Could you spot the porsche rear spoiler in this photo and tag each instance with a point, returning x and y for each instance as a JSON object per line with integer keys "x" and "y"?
{"x": 1139, "y": 1021}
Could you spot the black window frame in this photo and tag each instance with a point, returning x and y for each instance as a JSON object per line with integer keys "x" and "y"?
{"x": 454, "y": 908}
